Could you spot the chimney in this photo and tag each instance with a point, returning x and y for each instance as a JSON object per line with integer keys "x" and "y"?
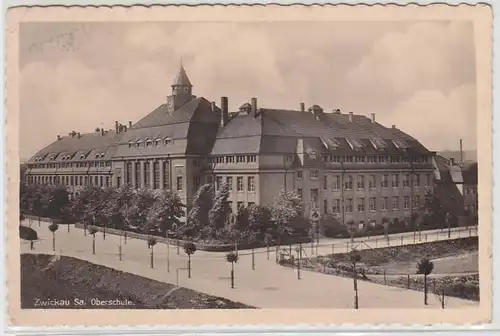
{"x": 373, "y": 118}
{"x": 350, "y": 116}
{"x": 452, "y": 160}
{"x": 393, "y": 126}
{"x": 102, "y": 130}
{"x": 254, "y": 107}
{"x": 225, "y": 111}
{"x": 79, "y": 135}
{"x": 214, "y": 107}
{"x": 337, "y": 111}
{"x": 58, "y": 137}
{"x": 302, "y": 107}
{"x": 129, "y": 124}
{"x": 116, "y": 127}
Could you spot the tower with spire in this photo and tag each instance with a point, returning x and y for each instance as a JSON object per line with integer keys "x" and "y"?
{"x": 181, "y": 90}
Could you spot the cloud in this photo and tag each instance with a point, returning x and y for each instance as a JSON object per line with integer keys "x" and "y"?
{"x": 438, "y": 120}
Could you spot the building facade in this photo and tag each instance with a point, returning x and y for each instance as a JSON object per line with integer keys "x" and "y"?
{"x": 343, "y": 164}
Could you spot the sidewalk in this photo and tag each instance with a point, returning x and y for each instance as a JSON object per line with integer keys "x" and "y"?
{"x": 268, "y": 286}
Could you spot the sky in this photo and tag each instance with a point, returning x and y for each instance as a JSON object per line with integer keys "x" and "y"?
{"x": 419, "y": 76}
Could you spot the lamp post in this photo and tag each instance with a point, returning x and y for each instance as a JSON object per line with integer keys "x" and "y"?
{"x": 167, "y": 232}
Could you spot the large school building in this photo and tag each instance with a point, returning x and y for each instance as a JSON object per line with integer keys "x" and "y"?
{"x": 340, "y": 163}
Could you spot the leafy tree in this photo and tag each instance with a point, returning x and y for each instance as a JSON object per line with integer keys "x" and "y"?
{"x": 259, "y": 221}
{"x": 287, "y": 212}
{"x": 197, "y": 217}
{"x": 116, "y": 200}
{"x": 425, "y": 267}
{"x": 190, "y": 249}
{"x": 53, "y": 228}
{"x": 58, "y": 200}
{"x": 165, "y": 212}
{"x": 143, "y": 201}
{"x": 232, "y": 258}
{"x": 355, "y": 258}
{"x": 220, "y": 210}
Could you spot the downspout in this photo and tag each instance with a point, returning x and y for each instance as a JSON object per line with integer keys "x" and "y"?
{"x": 342, "y": 208}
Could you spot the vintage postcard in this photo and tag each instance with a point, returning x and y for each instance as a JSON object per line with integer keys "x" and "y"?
{"x": 249, "y": 165}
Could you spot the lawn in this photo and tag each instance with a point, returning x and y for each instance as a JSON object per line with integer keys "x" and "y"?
{"x": 80, "y": 284}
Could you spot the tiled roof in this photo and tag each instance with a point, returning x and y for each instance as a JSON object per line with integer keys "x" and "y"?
{"x": 278, "y": 130}
{"x": 75, "y": 146}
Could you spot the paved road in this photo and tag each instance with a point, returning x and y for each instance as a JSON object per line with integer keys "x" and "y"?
{"x": 268, "y": 286}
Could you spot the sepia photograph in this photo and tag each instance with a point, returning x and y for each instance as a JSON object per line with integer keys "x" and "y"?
{"x": 249, "y": 165}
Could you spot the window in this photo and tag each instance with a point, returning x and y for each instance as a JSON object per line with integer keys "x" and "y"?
{"x": 314, "y": 174}
{"x": 361, "y": 205}
{"x": 288, "y": 158}
{"x": 81, "y": 180}
{"x": 371, "y": 159}
{"x": 406, "y": 202}
{"x": 406, "y": 180}
{"x": 240, "y": 159}
{"x": 385, "y": 181}
{"x": 230, "y": 206}
{"x": 360, "y": 159}
{"x": 383, "y": 159}
{"x": 156, "y": 173}
{"x": 348, "y": 182}
{"x": 251, "y": 183}
{"x": 314, "y": 198}
{"x": 240, "y": 205}
{"x": 179, "y": 183}
{"x": 197, "y": 183}
{"x": 348, "y": 159}
{"x": 336, "y": 206}
{"x": 229, "y": 159}
{"x": 395, "y": 180}
{"x": 348, "y": 205}
{"x": 239, "y": 183}
{"x": 394, "y": 159}
{"x": 416, "y": 201}
{"x": 147, "y": 174}
{"x": 299, "y": 174}
{"x": 361, "y": 182}
{"x": 96, "y": 180}
{"x": 107, "y": 181}
{"x": 137, "y": 175}
{"x": 251, "y": 158}
{"x": 218, "y": 182}
{"x": 229, "y": 181}
{"x": 166, "y": 175}
{"x": 384, "y": 203}
{"x": 299, "y": 192}
{"x": 373, "y": 204}
{"x": 395, "y": 203}
{"x": 148, "y": 143}
{"x": 416, "y": 180}
{"x": 325, "y": 206}
{"x": 372, "y": 182}
{"x": 336, "y": 182}
{"x": 72, "y": 180}
{"x": 325, "y": 182}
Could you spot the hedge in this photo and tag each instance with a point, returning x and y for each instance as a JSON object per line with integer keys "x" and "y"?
{"x": 27, "y": 233}
{"x": 199, "y": 246}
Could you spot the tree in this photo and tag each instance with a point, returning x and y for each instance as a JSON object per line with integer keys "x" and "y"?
{"x": 165, "y": 212}
{"x": 232, "y": 258}
{"x": 425, "y": 267}
{"x": 190, "y": 249}
{"x": 58, "y": 201}
{"x": 197, "y": 217}
{"x": 217, "y": 216}
{"x": 93, "y": 231}
{"x": 259, "y": 221}
{"x": 151, "y": 244}
{"x": 53, "y": 228}
{"x": 287, "y": 212}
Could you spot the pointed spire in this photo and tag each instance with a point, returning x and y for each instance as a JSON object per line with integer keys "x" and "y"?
{"x": 182, "y": 78}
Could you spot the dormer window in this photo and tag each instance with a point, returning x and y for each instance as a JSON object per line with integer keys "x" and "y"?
{"x": 400, "y": 144}
{"x": 51, "y": 158}
{"x": 378, "y": 144}
{"x": 157, "y": 141}
{"x": 138, "y": 143}
{"x": 168, "y": 141}
{"x": 355, "y": 144}
{"x": 129, "y": 144}
{"x": 102, "y": 155}
{"x": 330, "y": 143}
{"x": 148, "y": 143}
{"x": 97, "y": 155}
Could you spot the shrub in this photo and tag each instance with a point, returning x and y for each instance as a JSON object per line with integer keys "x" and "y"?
{"x": 27, "y": 233}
